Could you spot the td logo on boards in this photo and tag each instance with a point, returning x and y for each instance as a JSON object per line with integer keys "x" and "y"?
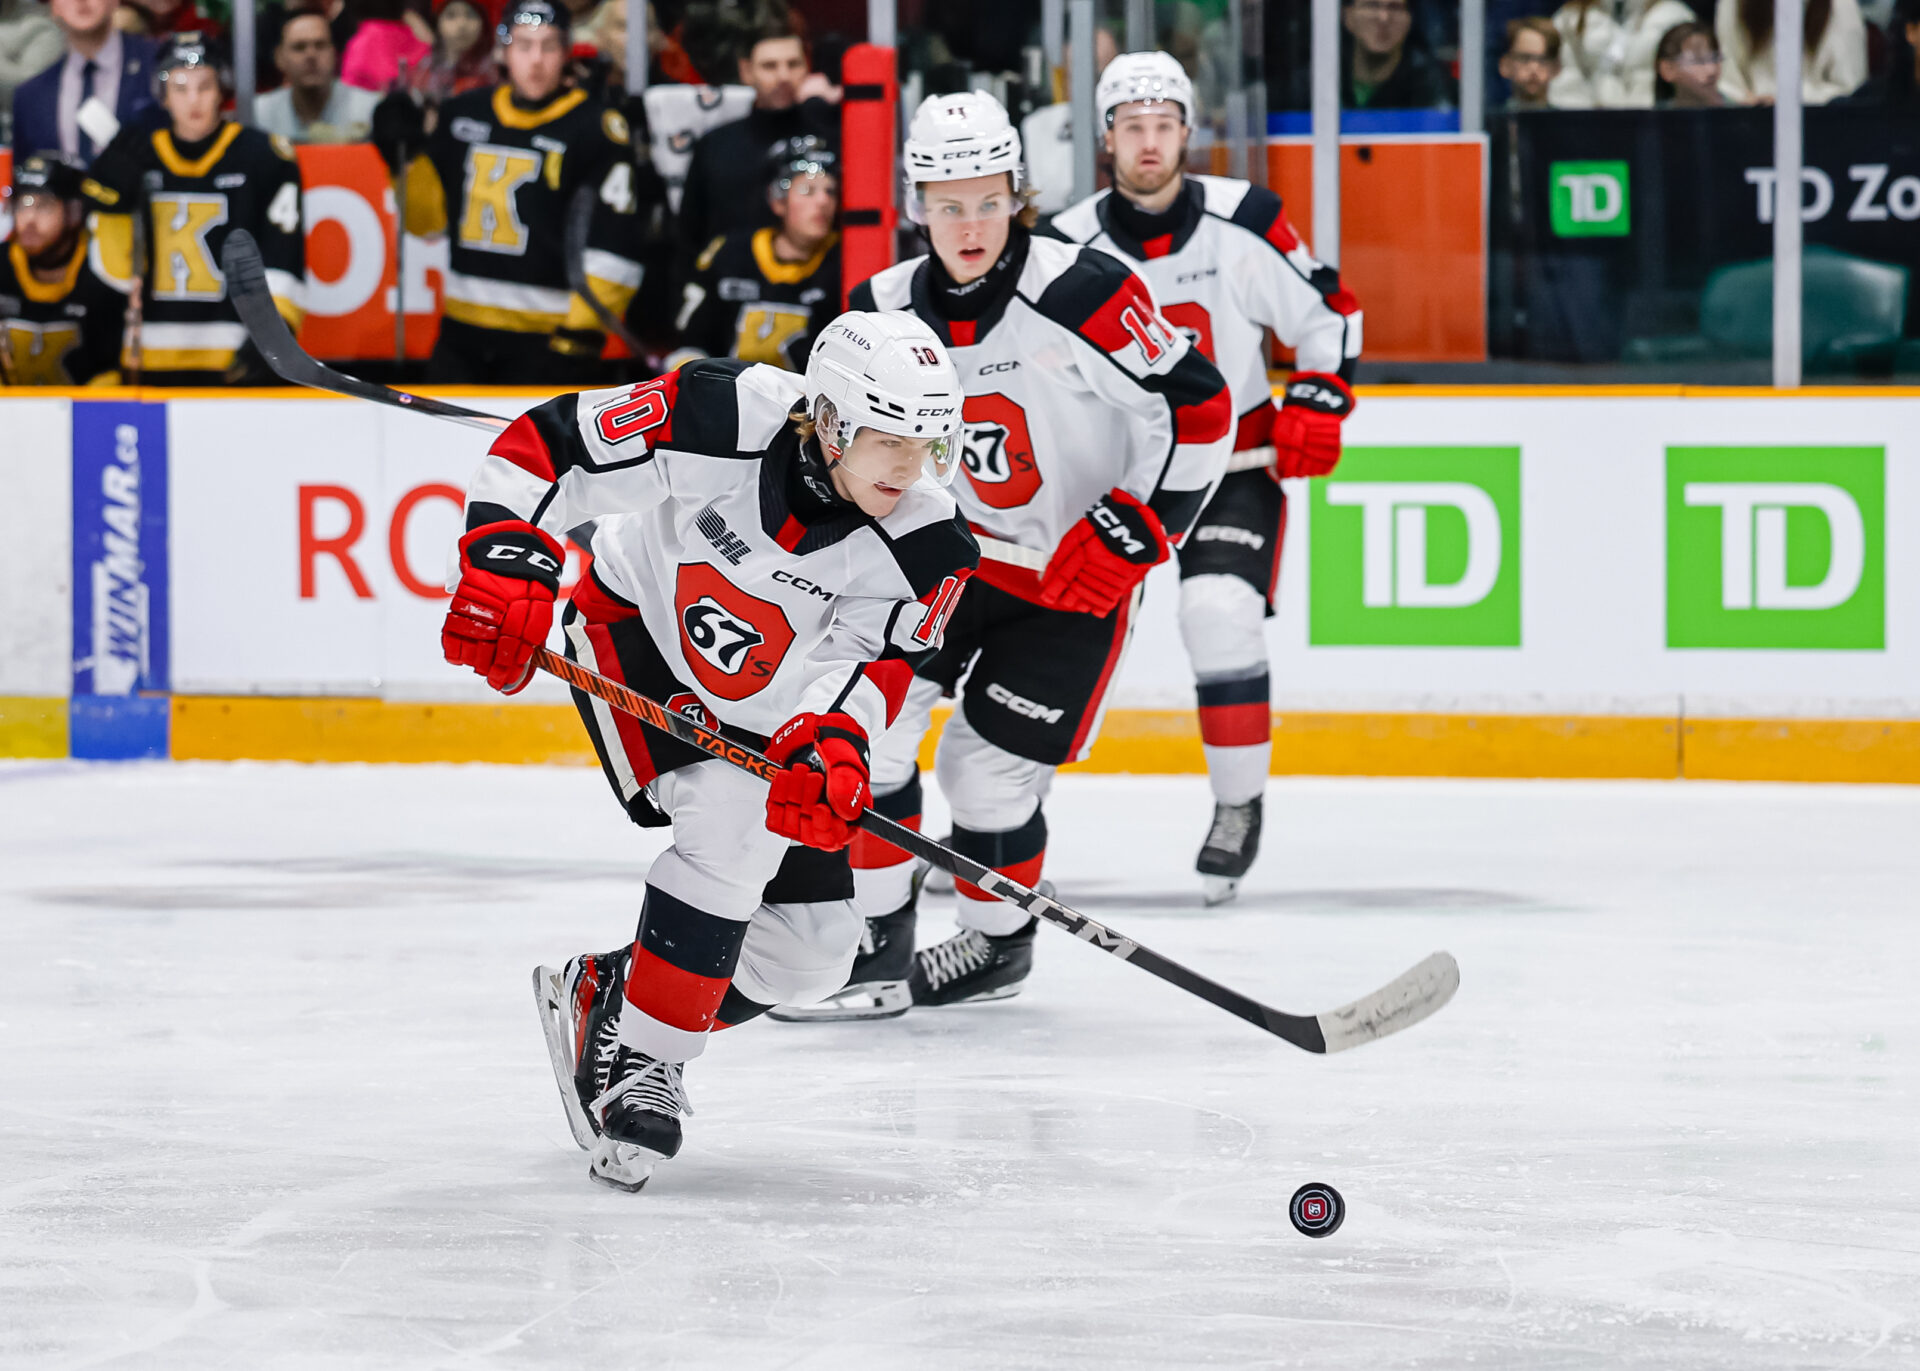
{"x": 1589, "y": 199}
{"x": 1416, "y": 547}
{"x": 1776, "y": 547}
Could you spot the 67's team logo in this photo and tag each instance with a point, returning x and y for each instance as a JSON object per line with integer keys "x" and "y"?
{"x": 732, "y": 641}
{"x": 998, "y": 451}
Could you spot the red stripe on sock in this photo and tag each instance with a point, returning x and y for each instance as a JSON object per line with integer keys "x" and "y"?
{"x": 678, "y": 999}
{"x": 1027, "y": 873}
{"x": 869, "y": 853}
{"x": 1235, "y": 725}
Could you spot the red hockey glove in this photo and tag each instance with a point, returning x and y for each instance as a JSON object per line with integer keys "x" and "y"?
{"x": 823, "y": 786}
{"x": 1306, "y": 431}
{"x": 1104, "y": 556}
{"x": 503, "y": 606}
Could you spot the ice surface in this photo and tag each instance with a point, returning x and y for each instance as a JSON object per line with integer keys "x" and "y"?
{"x": 272, "y": 1092}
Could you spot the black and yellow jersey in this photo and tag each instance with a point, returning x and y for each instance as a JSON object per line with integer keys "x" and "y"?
{"x": 498, "y": 180}
{"x": 743, "y": 301}
{"x": 58, "y": 333}
{"x": 189, "y": 197}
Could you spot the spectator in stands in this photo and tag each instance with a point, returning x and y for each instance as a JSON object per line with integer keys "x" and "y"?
{"x": 105, "y": 72}
{"x": 1381, "y": 69}
{"x": 462, "y": 57}
{"x": 1531, "y": 61}
{"x": 1687, "y": 69}
{"x": 762, "y": 294}
{"x": 724, "y": 190}
{"x": 30, "y": 42}
{"x": 60, "y": 319}
{"x": 314, "y": 106}
{"x": 379, "y": 45}
{"x": 1899, "y": 89}
{"x": 1834, "y": 60}
{"x": 1643, "y": 23}
{"x": 164, "y": 18}
{"x": 1590, "y": 46}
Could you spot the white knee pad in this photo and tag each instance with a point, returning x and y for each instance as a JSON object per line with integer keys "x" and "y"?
{"x": 987, "y": 788}
{"x": 1223, "y": 623}
{"x": 798, "y": 953}
{"x": 722, "y": 855}
{"x": 894, "y": 756}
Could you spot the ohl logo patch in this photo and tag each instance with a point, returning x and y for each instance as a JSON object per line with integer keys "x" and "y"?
{"x": 733, "y": 641}
{"x": 997, "y": 454}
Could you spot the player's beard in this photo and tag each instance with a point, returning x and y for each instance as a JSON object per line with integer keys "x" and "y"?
{"x": 1136, "y": 187}
{"x": 56, "y": 255}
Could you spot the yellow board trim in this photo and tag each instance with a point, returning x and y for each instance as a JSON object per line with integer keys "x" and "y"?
{"x": 1140, "y": 741}
{"x": 32, "y": 726}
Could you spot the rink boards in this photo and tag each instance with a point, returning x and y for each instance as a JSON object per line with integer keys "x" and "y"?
{"x": 1578, "y": 583}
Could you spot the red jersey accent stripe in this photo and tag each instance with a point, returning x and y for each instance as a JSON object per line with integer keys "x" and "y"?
{"x": 1027, "y": 873}
{"x": 1015, "y": 580}
{"x": 1157, "y": 247}
{"x": 630, "y": 735}
{"x": 1342, "y": 301}
{"x": 891, "y": 678}
{"x": 1206, "y": 422}
{"x": 869, "y": 853}
{"x": 1256, "y": 427}
{"x": 676, "y": 998}
{"x": 963, "y": 331}
{"x": 1280, "y": 233}
{"x": 1235, "y": 725}
{"x": 790, "y": 533}
{"x": 522, "y": 445}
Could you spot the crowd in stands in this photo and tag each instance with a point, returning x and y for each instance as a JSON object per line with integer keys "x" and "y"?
{"x": 719, "y": 230}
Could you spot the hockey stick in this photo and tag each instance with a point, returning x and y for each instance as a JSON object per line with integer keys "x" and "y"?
{"x": 1399, "y": 1004}
{"x": 579, "y": 224}
{"x": 247, "y": 284}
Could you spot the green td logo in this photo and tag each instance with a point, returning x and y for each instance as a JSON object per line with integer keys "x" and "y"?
{"x": 1416, "y": 547}
{"x": 1589, "y": 199}
{"x": 1781, "y": 547}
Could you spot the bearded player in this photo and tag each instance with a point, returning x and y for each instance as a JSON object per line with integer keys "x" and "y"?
{"x": 1225, "y": 265}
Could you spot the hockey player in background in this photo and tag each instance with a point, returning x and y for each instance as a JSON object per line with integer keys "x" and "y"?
{"x": 761, "y": 294}
{"x": 1224, "y": 265}
{"x": 189, "y": 185}
{"x": 497, "y": 176}
{"x": 761, "y": 541}
{"x": 60, "y": 323}
{"x": 1094, "y": 434}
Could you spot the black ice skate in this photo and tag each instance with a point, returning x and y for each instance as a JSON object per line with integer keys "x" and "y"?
{"x": 579, "y": 1008}
{"x": 1231, "y": 846}
{"x": 876, "y": 988}
{"x": 639, "y": 1118}
{"x": 973, "y": 966}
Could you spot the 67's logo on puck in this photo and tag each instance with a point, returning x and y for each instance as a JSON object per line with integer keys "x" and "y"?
{"x": 733, "y": 642}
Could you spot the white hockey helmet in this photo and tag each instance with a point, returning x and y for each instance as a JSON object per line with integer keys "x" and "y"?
{"x": 886, "y": 371}
{"x": 1143, "y": 78}
{"x": 954, "y": 137}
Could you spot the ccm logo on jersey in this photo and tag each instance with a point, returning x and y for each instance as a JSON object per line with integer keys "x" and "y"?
{"x": 733, "y": 642}
{"x": 802, "y": 583}
{"x": 1021, "y": 705}
{"x": 1227, "y": 533}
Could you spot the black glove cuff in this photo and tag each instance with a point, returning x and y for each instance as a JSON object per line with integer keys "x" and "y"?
{"x": 507, "y": 551}
{"x": 1320, "y": 393}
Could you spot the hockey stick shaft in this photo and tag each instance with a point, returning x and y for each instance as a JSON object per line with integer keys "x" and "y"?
{"x": 579, "y": 226}
{"x": 1399, "y": 1005}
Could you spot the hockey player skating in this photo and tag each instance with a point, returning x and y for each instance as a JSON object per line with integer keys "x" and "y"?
{"x": 497, "y": 177}
{"x": 189, "y": 185}
{"x": 1094, "y": 434}
{"x": 1225, "y": 264}
{"x": 761, "y": 541}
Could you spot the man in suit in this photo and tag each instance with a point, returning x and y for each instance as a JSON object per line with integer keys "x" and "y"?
{"x": 105, "y": 81}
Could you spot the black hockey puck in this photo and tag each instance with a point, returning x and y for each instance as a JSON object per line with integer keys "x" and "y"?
{"x": 1317, "y": 1209}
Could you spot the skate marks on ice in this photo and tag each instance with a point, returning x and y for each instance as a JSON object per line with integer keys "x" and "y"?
{"x": 347, "y": 882}
{"x": 1095, "y": 893}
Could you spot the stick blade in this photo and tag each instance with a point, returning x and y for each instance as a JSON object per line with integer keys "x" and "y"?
{"x": 1416, "y": 994}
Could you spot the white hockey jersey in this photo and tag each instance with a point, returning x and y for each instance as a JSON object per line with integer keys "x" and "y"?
{"x": 765, "y": 594}
{"x": 1075, "y": 385}
{"x": 1224, "y": 263}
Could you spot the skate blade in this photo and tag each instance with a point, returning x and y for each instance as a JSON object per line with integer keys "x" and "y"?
{"x": 1215, "y": 890}
{"x": 549, "y": 994}
{"x": 622, "y": 1166}
{"x": 1005, "y": 992}
{"x": 874, "y": 1000}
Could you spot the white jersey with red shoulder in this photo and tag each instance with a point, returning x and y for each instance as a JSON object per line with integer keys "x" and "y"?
{"x": 1225, "y": 264}
{"x": 766, "y": 594}
{"x": 1075, "y": 385}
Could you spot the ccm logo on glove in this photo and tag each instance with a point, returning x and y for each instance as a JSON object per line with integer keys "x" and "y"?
{"x": 1306, "y": 432}
{"x": 1104, "y": 556}
{"x": 503, "y": 607}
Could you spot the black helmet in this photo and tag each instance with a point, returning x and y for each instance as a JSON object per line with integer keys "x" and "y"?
{"x": 792, "y": 158}
{"x": 47, "y": 173}
{"x": 185, "y": 50}
{"x": 534, "y": 14}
